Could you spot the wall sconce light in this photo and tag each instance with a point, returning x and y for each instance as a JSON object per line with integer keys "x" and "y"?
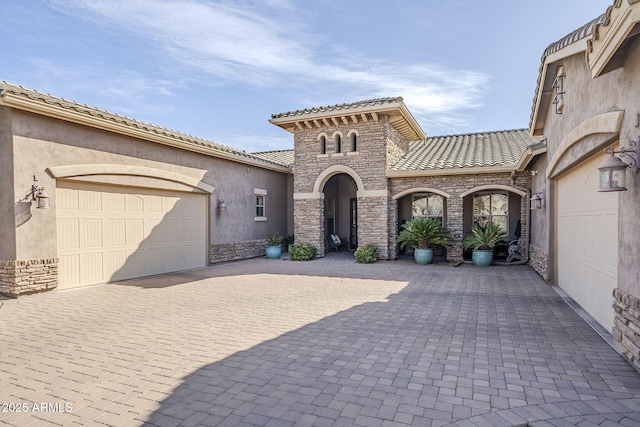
{"x": 39, "y": 195}
{"x": 613, "y": 170}
{"x": 537, "y": 199}
{"x": 222, "y": 206}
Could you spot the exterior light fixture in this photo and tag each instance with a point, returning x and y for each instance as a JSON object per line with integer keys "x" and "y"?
{"x": 536, "y": 200}
{"x": 39, "y": 195}
{"x": 613, "y": 170}
{"x": 222, "y": 206}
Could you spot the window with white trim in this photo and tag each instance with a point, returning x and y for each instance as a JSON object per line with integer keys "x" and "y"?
{"x": 260, "y": 196}
{"x": 428, "y": 205}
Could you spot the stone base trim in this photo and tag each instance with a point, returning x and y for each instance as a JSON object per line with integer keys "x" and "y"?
{"x": 539, "y": 261}
{"x": 222, "y": 252}
{"x": 626, "y": 326}
{"x": 22, "y": 277}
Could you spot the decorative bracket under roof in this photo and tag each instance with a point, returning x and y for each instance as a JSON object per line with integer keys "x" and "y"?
{"x": 400, "y": 118}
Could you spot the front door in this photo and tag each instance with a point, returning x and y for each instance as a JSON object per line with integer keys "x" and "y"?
{"x": 353, "y": 235}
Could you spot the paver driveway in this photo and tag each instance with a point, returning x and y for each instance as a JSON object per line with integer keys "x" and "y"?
{"x": 321, "y": 343}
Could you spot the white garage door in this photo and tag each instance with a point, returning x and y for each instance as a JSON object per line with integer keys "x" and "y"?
{"x": 114, "y": 233}
{"x": 587, "y": 233}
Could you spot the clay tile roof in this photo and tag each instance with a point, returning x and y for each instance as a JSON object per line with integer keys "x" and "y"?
{"x": 337, "y": 107}
{"x": 283, "y": 157}
{"x": 475, "y": 150}
{"x": 35, "y": 99}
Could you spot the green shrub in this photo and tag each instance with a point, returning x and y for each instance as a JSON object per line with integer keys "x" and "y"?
{"x": 366, "y": 254}
{"x": 302, "y": 252}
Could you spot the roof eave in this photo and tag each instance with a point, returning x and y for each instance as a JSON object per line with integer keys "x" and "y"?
{"x": 394, "y": 173}
{"x": 26, "y": 103}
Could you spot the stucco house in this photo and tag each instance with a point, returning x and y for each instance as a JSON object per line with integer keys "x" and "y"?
{"x": 129, "y": 199}
{"x": 583, "y": 240}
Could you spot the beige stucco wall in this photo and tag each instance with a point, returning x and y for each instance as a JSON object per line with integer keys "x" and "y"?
{"x": 40, "y": 143}
{"x": 586, "y": 100}
{"x": 8, "y": 204}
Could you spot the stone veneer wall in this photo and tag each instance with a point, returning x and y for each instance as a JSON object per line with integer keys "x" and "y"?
{"x": 28, "y": 276}
{"x": 373, "y": 224}
{"x": 237, "y": 250}
{"x": 454, "y": 185}
{"x": 379, "y": 144}
{"x": 626, "y": 326}
{"x": 539, "y": 261}
{"x": 308, "y": 218}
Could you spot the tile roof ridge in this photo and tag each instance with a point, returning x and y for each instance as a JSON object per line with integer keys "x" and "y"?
{"x": 478, "y": 133}
{"x": 338, "y": 106}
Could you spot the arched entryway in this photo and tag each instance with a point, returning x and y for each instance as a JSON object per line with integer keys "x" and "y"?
{"x": 422, "y": 202}
{"x": 502, "y": 205}
{"x": 341, "y": 210}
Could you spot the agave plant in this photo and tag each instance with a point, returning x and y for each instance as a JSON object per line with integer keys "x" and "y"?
{"x": 422, "y": 233}
{"x": 484, "y": 238}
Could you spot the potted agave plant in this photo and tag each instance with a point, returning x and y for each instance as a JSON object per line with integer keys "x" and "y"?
{"x": 274, "y": 246}
{"x": 482, "y": 240}
{"x": 422, "y": 234}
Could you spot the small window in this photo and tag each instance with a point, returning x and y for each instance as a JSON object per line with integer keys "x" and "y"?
{"x": 354, "y": 142}
{"x": 323, "y": 145}
{"x": 260, "y": 203}
{"x": 338, "y": 144}
{"x": 428, "y": 206}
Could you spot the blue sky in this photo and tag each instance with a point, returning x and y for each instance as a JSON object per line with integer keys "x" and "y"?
{"x": 218, "y": 69}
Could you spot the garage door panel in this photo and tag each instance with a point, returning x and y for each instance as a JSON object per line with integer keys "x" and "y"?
{"x": 587, "y": 241}
{"x": 92, "y": 268}
{"x": 68, "y": 233}
{"x": 116, "y": 233}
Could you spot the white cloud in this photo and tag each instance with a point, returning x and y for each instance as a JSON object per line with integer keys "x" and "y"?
{"x": 258, "y": 43}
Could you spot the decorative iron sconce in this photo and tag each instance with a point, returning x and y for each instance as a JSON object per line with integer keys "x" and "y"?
{"x": 39, "y": 195}
{"x": 222, "y": 206}
{"x": 537, "y": 199}
{"x": 558, "y": 86}
{"x": 613, "y": 170}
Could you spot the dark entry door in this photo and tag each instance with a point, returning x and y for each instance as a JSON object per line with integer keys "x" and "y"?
{"x": 353, "y": 235}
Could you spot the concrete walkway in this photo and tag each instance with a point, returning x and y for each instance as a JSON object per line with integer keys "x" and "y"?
{"x": 320, "y": 343}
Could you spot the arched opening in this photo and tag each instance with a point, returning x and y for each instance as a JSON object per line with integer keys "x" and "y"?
{"x": 341, "y": 211}
{"x": 498, "y": 205}
{"x": 323, "y": 144}
{"x": 353, "y": 143}
{"x": 338, "y": 143}
{"x": 425, "y": 203}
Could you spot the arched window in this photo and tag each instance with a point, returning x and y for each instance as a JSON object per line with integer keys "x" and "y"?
{"x": 338, "y": 142}
{"x": 353, "y": 139}
{"x": 323, "y": 145}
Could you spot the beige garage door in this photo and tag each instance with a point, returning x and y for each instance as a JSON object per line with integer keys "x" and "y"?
{"x": 587, "y": 238}
{"x": 114, "y": 233}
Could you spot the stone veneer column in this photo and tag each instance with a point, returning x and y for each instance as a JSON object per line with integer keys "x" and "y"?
{"x": 373, "y": 224}
{"x": 626, "y": 326}
{"x": 454, "y": 224}
{"x": 28, "y": 276}
{"x": 308, "y": 218}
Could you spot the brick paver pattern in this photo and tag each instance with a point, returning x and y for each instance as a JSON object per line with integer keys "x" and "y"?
{"x": 321, "y": 343}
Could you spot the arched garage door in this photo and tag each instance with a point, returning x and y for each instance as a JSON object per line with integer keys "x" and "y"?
{"x": 108, "y": 233}
{"x": 587, "y": 240}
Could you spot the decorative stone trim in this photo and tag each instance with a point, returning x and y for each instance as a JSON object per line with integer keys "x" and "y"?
{"x": 626, "y": 326}
{"x": 539, "y": 261}
{"x": 222, "y": 252}
{"x": 28, "y": 276}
